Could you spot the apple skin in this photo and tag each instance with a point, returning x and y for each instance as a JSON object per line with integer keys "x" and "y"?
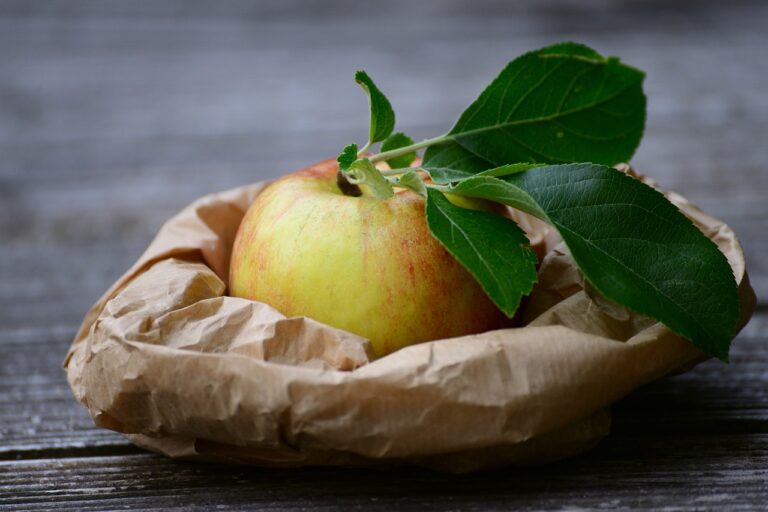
{"x": 361, "y": 264}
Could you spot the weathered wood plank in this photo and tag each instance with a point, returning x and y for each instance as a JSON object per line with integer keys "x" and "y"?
{"x": 37, "y": 409}
{"x": 690, "y": 473}
{"x": 113, "y": 115}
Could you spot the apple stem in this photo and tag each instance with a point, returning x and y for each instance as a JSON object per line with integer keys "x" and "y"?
{"x": 347, "y": 188}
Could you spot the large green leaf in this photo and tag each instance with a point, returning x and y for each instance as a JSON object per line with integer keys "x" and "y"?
{"x": 630, "y": 242}
{"x": 563, "y": 103}
{"x": 492, "y": 248}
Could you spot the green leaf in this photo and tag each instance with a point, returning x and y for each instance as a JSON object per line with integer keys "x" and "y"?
{"x": 564, "y": 103}
{"x": 347, "y": 156}
{"x": 631, "y": 243}
{"x": 396, "y": 141}
{"x": 366, "y": 175}
{"x": 450, "y": 162}
{"x": 494, "y": 188}
{"x": 411, "y": 180}
{"x": 492, "y": 248}
{"x": 382, "y": 115}
{"x": 506, "y": 170}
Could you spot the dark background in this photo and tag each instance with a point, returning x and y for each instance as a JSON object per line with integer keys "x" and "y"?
{"x": 115, "y": 114}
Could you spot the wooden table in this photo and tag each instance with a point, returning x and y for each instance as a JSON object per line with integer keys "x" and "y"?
{"x": 113, "y": 115}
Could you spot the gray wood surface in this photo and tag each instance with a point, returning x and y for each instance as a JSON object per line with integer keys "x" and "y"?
{"x": 113, "y": 115}
{"x": 698, "y": 473}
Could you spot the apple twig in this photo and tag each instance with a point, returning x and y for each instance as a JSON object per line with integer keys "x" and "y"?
{"x": 393, "y": 153}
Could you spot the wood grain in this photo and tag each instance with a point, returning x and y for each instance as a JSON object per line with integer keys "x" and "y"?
{"x": 114, "y": 115}
{"x": 37, "y": 410}
{"x": 693, "y": 473}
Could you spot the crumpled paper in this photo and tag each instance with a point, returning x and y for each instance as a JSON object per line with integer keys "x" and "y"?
{"x": 167, "y": 358}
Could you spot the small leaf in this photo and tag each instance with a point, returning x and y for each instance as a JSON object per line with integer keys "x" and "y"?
{"x": 367, "y": 176}
{"x": 563, "y": 103}
{"x": 396, "y": 141}
{"x": 492, "y": 248}
{"x": 382, "y": 115}
{"x": 631, "y": 243}
{"x": 411, "y": 180}
{"x": 347, "y": 156}
{"x": 500, "y": 191}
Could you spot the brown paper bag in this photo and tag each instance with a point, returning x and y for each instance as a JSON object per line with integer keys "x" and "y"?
{"x": 168, "y": 359}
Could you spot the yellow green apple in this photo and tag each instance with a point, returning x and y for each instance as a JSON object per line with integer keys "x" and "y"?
{"x": 362, "y": 264}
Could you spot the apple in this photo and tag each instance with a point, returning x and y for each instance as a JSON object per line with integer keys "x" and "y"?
{"x": 361, "y": 264}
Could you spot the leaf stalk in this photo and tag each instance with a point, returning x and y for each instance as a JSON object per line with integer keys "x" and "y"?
{"x": 393, "y": 153}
